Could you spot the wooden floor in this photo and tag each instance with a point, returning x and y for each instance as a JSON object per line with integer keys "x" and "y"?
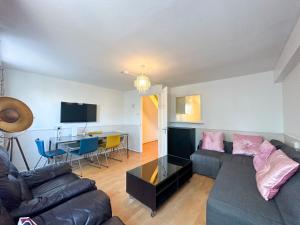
{"x": 186, "y": 207}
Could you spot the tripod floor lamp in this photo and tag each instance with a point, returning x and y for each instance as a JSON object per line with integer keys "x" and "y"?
{"x": 15, "y": 116}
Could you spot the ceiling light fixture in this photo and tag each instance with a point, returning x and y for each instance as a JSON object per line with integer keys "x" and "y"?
{"x": 142, "y": 82}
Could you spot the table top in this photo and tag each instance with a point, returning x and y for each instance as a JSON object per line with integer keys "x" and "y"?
{"x": 158, "y": 170}
{"x": 63, "y": 139}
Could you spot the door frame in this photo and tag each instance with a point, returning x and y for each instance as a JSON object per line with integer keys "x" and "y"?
{"x": 154, "y": 90}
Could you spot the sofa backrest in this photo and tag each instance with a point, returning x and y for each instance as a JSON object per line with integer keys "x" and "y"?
{"x": 13, "y": 189}
{"x": 228, "y": 146}
{"x": 288, "y": 198}
{"x": 291, "y": 152}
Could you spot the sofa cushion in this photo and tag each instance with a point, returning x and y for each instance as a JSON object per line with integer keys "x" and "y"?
{"x": 25, "y": 192}
{"x": 207, "y": 163}
{"x": 246, "y": 144}
{"x": 241, "y": 159}
{"x": 260, "y": 159}
{"x": 10, "y": 192}
{"x": 213, "y": 141}
{"x": 291, "y": 152}
{"x": 235, "y": 199}
{"x": 278, "y": 169}
{"x": 89, "y": 208}
{"x": 5, "y": 218}
{"x": 54, "y": 185}
{"x": 12, "y": 188}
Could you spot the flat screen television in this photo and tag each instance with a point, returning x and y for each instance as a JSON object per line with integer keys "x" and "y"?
{"x": 77, "y": 112}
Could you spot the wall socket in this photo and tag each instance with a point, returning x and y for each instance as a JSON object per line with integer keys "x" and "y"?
{"x": 58, "y": 128}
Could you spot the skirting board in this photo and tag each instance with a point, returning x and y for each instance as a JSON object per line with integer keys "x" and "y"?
{"x": 134, "y": 150}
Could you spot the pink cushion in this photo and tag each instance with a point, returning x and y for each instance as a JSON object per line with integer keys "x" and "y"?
{"x": 277, "y": 170}
{"x": 264, "y": 151}
{"x": 213, "y": 141}
{"x": 246, "y": 144}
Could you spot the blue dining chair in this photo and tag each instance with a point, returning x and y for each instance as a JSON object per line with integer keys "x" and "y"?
{"x": 49, "y": 154}
{"x": 85, "y": 148}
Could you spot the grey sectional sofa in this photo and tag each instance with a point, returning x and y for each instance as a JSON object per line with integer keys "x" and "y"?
{"x": 235, "y": 200}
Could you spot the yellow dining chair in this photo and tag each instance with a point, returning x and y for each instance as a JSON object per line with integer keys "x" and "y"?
{"x": 110, "y": 145}
{"x": 91, "y": 133}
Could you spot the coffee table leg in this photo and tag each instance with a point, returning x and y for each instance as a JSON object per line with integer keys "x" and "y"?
{"x": 153, "y": 213}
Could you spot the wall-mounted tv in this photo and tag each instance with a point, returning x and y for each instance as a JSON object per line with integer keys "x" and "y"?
{"x": 77, "y": 112}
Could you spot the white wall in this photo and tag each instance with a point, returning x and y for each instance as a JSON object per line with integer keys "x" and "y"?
{"x": 291, "y": 103}
{"x": 132, "y": 118}
{"x": 44, "y": 94}
{"x": 149, "y": 120}
{"x": 247, "y": 103}
{"x": 251, "y": 104}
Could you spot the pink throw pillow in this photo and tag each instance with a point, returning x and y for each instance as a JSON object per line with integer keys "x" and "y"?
{"x": 213, "y": 141}
{"x": 264, "y": 151}
{"x": 246, "y": 144}
{"x": 278, "y": 169}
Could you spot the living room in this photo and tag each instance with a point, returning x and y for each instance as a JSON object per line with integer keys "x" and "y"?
{"x": 239, "y": 61}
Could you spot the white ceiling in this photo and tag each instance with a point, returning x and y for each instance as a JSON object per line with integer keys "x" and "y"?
{"x": 180, "y": 42}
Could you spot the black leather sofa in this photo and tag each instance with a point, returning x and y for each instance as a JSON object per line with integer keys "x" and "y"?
{"x": 235, "y": 199}
{"x": 51, "y": 195}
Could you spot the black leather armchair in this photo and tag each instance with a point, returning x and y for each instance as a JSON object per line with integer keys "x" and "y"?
{"x": 50, "y": 195}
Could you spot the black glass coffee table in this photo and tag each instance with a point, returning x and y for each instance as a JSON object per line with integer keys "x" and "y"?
{"x": 155, "y": 181}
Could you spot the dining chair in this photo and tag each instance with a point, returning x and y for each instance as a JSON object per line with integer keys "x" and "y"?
{"x": 123, "y": 144}
{"x": 111, "y": 144}
{"x": 91, "y": 133}
{"x": 95, "y": 133}
{"x": 49, "y": 155}
{"x": 87, "y": 146}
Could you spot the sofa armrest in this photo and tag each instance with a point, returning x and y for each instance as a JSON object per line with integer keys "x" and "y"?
{"x": 36, "y": 177}
{"x": 41, "y": 204}
{"x": 5, "y": 218}
{"x": 89, "y": 209}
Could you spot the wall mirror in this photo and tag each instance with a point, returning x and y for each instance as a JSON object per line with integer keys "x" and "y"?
{"x": 188, "y": 109}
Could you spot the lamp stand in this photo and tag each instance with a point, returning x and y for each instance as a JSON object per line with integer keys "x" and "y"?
{"x": 10, "y": 146}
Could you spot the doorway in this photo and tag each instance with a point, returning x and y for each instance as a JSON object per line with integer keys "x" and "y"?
{"x": 149, "y": 123}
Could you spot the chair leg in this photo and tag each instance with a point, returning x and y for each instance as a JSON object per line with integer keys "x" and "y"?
{"x": 119, "y": 151}
{"x": 98, "y": 160}
{"x": 80, "y": 167}
{"x": 71, "y": 160}
{"x": 46, "y": 162}
{"x": 124, "y": 149}
{"x": 38, "y": 162}
{"x": 106, "y": 160}
{"x": 67, "y": 155}
{"x": 113, "y": 150}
